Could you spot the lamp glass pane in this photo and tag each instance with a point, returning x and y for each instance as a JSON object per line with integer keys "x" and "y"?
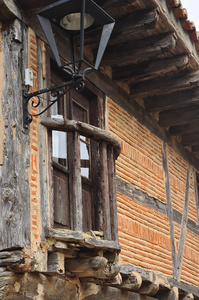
{"x": 72, "y": 21}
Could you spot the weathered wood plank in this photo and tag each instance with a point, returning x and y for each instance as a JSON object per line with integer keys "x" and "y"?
{"x": 14, "y": 187}
{"x": 85, "y": 129}
{"x": 179, "y": 116}
{"x": 105, "y": 191}
{"x": 96, "y": 267}
{"x": 102, "y": 244}
{"x": 112, "y": 193}
{"x": 188, "y": 128}
{"x": 131, "y": 26}
{"x": 172, "y": 100}
{"x": 190, "y": 139}
{"x": 98, "y": 292}
{"x": 163, "y": 86}
{"x": 150, "y": 70}
{"x": 16, "y": 257}
{"x": 77, "y": 185}
{"x": 56, "y": 263}
{"x": 9, "y": 10}
{"x": 139, "y": 50}
{"x": 185, "y": 287}
{"x": 64, "y": 235}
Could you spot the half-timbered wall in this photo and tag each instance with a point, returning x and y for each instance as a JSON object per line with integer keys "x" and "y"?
{"x": 156, "y": 194}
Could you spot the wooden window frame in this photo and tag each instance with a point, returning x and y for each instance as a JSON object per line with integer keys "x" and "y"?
{"x": 105, "y": 210}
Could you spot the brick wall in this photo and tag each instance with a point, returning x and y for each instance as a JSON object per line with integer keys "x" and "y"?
{"x": 144, "y": 232}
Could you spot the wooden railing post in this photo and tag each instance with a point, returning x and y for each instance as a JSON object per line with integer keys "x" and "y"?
{"x": 77, "y": 186}
{"x": 112, "y": 193}
{"x": 105, "y": 191}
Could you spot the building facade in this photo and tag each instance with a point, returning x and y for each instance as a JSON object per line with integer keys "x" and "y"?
{"x": 99, "y": 194}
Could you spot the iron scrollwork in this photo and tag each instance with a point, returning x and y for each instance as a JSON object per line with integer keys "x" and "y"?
{"x": 57, "y": 92}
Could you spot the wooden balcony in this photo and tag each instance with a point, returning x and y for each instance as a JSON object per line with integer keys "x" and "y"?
{"x": 108, "y": 150}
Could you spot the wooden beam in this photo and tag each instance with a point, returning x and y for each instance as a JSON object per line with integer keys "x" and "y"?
{"x": 150, "y": 70}
{"x": 9, "y": 10}
{"x": 77, "y": 184}
{"x": 129, "y": 27}
{"x": 139, "y": 50}
{"x": 85, "y": 129}
{"x": 195, "y": 149}
{"x": 108, "y": 3}
{"x": 188, "y": 128}
{"x": 190, "y": 139}
{"x": 172, "y": 100}
{"x": 166, "y": 85}
{"x": 105, "y": 191}
{"x": 179, "y": 116}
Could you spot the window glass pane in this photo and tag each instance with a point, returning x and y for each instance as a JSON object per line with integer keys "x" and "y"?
{"x": 59, "y": 147}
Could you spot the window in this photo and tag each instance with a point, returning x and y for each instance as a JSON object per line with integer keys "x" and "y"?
{"x": 80, "y": 107}
{"x": 82, "y": 160}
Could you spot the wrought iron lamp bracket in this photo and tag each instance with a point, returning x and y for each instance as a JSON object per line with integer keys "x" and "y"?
{"x": 56, "y": 91}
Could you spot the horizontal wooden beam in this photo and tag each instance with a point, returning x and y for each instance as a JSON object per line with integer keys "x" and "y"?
{"x": 191, "y": 139}
{"x": 178, "y": 116}
{"x": 139, "y": 50}
{"x": 172, "y": 100}
{"x": 195, "y": 149}
{"x": 9, "y": 10}
{"x": 129, "y": 27}
{"x": 166, "y": 85}
{"x": 85, "y": 129}
{"x": 81, "y": 238}
{"x": 150, "y": 70}
{"x": 134, "y": 25}
{"x": 188, "y": 128}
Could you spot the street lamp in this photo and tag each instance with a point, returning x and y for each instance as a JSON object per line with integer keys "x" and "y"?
{"x": 75, "y": 19}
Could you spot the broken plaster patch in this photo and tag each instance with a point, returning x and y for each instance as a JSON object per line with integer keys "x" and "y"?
{"x": 17, "y": 287}
{"x": 40, "y": 291}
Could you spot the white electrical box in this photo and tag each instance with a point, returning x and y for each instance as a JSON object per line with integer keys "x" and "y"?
{"x": 28, "y": 77}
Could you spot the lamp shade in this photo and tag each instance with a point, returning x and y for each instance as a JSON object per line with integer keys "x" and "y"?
{"x": 75, "y": 18}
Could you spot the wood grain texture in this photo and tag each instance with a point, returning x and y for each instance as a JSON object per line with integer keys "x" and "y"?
{"x": 14, "y": 187}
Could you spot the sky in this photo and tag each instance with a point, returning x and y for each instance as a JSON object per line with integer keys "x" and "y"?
{"x": 192, "y": 7}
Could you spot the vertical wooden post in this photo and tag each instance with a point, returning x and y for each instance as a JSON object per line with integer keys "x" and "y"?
{"x": 105, "y": 191}
{"x": 112, "y": 193}
{"x": 77, "y": 185}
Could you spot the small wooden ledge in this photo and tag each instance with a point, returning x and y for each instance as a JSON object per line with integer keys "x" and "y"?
{"x": 85, "y": 129}
{"x": 82, "y": 239}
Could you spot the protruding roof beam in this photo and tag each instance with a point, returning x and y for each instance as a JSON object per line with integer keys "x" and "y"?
{"x": 151, "y": 70}
{"x": 166, "y": 85}
{"x": 172, "y": 101}
{"x": 139, "y": 50}
{"x": 179, "y": 116}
